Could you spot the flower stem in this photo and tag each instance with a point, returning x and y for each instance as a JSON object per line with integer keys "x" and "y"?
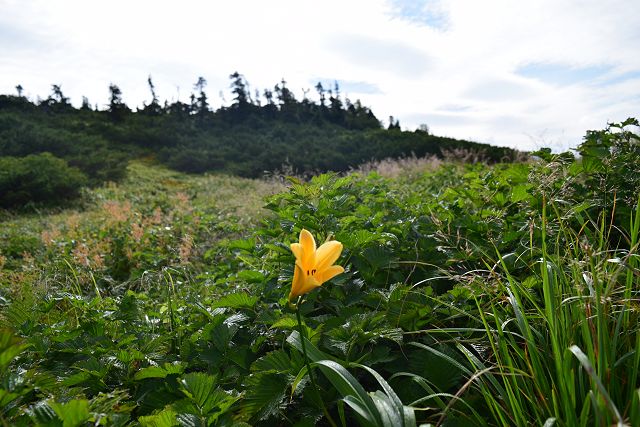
{"x": 306, "y": 363}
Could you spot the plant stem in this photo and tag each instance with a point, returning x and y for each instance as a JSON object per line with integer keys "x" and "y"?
{"x": 306, "y": 363}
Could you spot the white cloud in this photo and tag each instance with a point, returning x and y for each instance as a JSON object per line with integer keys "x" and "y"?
{"x": 422, "y": 58}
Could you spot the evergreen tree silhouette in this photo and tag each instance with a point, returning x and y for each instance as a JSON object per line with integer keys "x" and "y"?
{"x": 56, "y": 101}
{"x": 393, "y": 123}
{"x": 239, "y": 90}
{"x": 86, "y": 106}
{"x": 201, "y": 104}
{"x": 268, "y": 96}
{"x": 57, "y": 97}
{"x": 321, "y": 93}
{"x": 336, "y": 113}
{"x": 257, "y": 98}
{"x": 152, "y": 88}
{"x": 117, "y": 108}
{"x": 154, "y": 108}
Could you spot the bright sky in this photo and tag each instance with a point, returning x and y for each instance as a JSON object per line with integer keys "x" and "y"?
{"x": 524, "y": 74}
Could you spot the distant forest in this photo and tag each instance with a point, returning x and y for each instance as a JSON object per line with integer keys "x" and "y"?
{"x": 256, "y": 133}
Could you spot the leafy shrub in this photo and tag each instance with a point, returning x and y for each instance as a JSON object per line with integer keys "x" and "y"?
{"x": 40, "y": 178}
{"x": 610, "y": 163}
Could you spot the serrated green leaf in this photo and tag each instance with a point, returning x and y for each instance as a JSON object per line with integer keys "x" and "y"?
{"x": 191, "y": 420}
{"x": 73, "y": 413}
{"x": 164, "y": 418}
{"x": 158, "y": 372}
{"x": 251, "y": 276}
{"x": 377, "y": 256}
{"x": 265, "y": 393}
{"x": 237, "y": 300}
{"x": 285, "y": 323}
{"x": 277, "y": 361}
{"x": 201, "y": 388}
{"x": 77, "y": 378}
{"x": 520, "y": 192}
{"x": 42, "y": 413}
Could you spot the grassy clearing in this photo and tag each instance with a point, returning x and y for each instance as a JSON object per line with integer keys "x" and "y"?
{"x": 154, "y": 219}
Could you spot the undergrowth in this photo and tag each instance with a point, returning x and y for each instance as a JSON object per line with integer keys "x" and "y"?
{"x": 472, "y": 295}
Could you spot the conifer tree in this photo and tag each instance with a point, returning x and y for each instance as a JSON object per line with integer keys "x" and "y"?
{"x": 321, "y": 92}
{"x": 86, "y": 106}
{"x": 117, "y": 108}
{"x": 239, "y": 90}
{"x": 154, "y": 108}
{"x": 57, "y": 96}
{"x": 201, "y": 104}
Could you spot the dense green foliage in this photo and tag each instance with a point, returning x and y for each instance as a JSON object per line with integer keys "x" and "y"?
{"x": 246, "y": 138}
{"x": 473, "y": 295}
{"x": 40, "y": 178}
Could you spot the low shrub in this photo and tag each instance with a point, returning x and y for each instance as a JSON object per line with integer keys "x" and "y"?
{"x": 38, "y": 178}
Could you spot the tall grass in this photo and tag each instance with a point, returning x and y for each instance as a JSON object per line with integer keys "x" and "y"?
{"x": 566, "y": 351}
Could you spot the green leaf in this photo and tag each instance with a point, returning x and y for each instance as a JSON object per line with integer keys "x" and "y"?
{"x": 378, "y": 256}
{"x": 265, "y": 393}
{"x": 73, "y": 413}
{"x": 520, "y": 192}
{"x": 298, "y": 380}
{"x": 251, "y": 276}
{"x": 588, "y": 367}
{"x": 190, "y": 420}
{"x": 165, "y": 418}
{"x": 201, "y": 388}
{"x": 6, "y": 397}
{"x": 341, "y": 379}
{"x": 237, "y": 300}
{"x": 402, "y": 415}
{"x": 158, "y": 372}
{"x": 10, "y": 347}
{"x": 361, "y": 410}
{"x": 78, "y": 378}
{"x": 42, "y": 413}
{"x": 285, "y": 323}
{"x": 348, "y": 385}
{"x": 312, "y": 352}
{"x": 277, "y": 361}
{"x": 388, "y": 414}
{"x": 246, "y": 245}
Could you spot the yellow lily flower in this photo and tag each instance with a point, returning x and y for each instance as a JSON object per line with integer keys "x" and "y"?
{"x": 313, "y": 267}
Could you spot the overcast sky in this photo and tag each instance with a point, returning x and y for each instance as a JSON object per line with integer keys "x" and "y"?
{"x": 524, "y": 74}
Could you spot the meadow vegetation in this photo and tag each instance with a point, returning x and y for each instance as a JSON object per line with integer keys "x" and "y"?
{"x": 253, "y": 134}
{"x": 474, "y": 294}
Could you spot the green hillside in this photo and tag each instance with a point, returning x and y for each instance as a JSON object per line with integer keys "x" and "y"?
{"x": 253, "y": 135}
{"x": 472, "y": 295}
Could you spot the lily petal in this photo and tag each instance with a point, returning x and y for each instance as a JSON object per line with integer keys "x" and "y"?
{"x": 297, "y": 250}
{"x": 330, "y": 273}
{"x": 327, "y": 254}
{"x": 309, "y": 284}
{"x": 308, "y": 244}
{"x": 298, "y": 282}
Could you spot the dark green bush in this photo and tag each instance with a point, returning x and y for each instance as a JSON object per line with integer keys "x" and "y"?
{"x": 611, "y": 163}
{"x": 40, "y": 178}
